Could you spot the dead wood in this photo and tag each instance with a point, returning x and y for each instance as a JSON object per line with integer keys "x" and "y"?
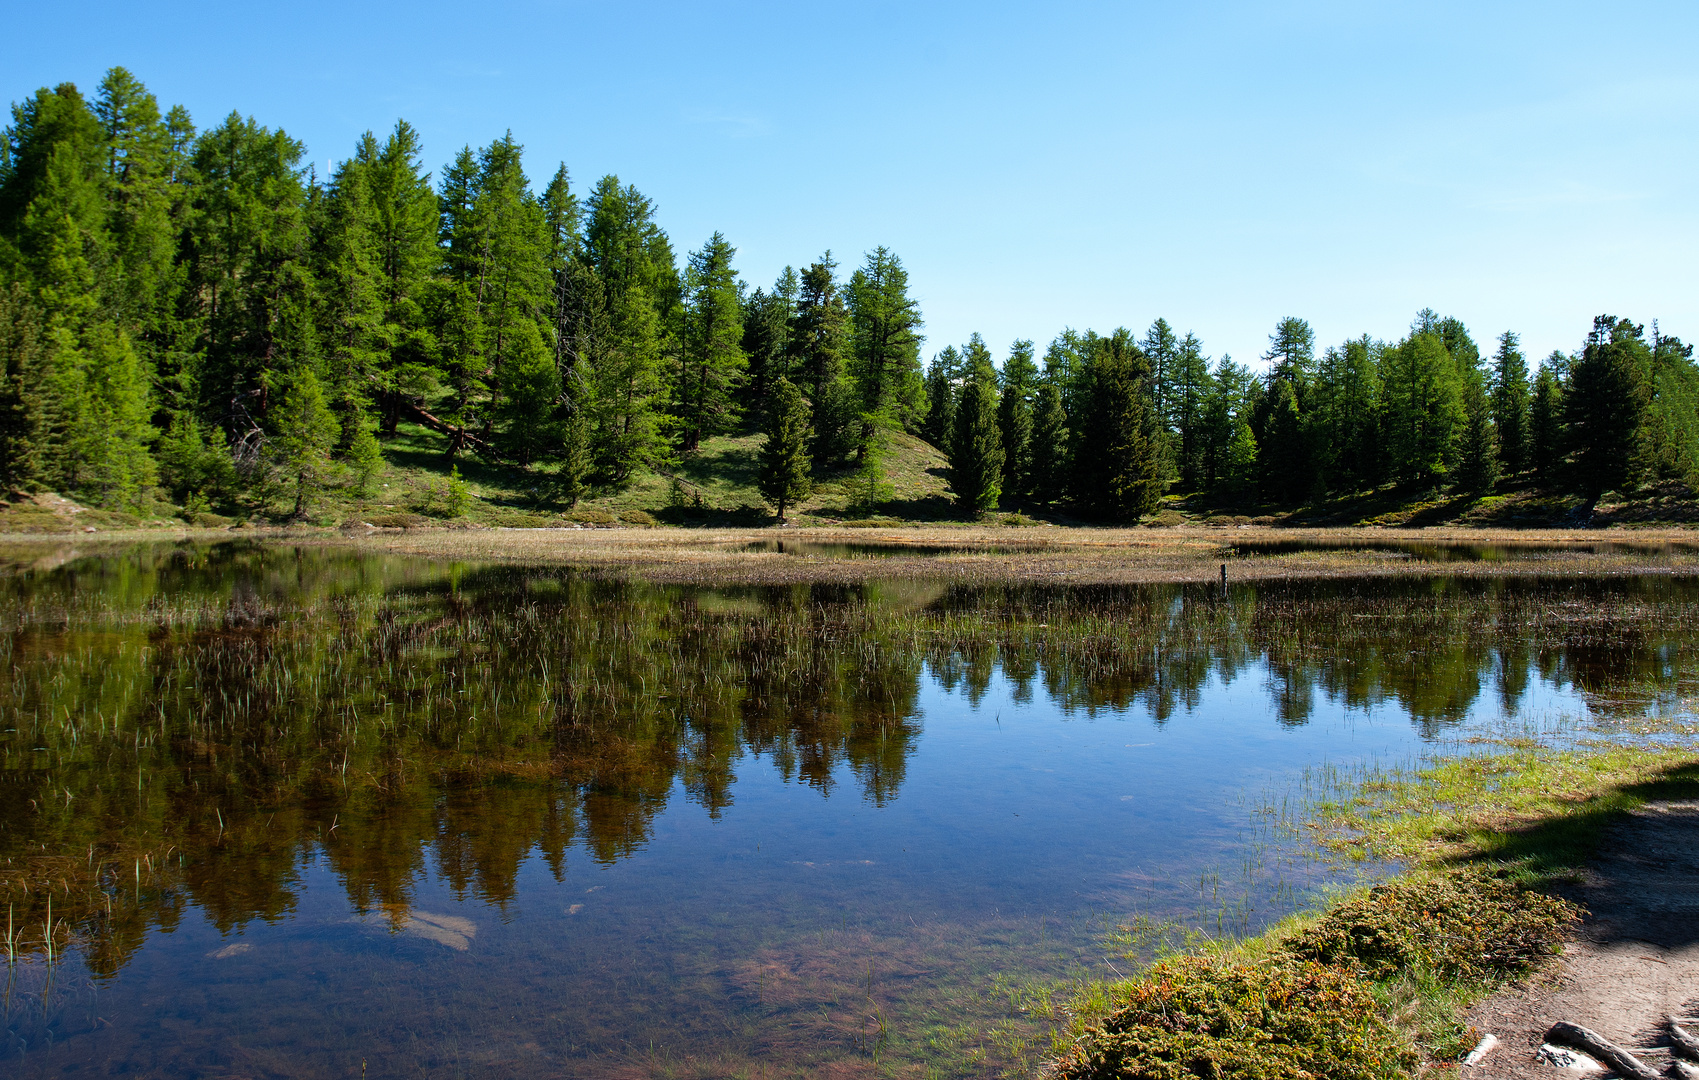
{"x": 1592, "y": 1043}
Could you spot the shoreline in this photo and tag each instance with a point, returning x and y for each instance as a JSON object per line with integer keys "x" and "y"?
{"x": 1542, "y": 869}
{"x": 967, "y": 554}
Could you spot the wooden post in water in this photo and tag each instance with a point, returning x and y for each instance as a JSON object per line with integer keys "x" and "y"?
{"x": 1223, "y": 579}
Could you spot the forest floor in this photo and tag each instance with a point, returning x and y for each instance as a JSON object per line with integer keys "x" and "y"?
{"x": 1634, "y": 960}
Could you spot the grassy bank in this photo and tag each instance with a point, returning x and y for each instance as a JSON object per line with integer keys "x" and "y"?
{"x": 420, "y": 487}
{"x": 1377, "y": 984}
{"x": 969, "y": 554}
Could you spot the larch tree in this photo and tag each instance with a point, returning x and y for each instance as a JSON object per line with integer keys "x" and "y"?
{"x": 976, "y": 445}
{"x": 1605, "y": 408}
{"x": 885, "y": 326}
{"x": 819, "y": 341}
{"x": 1048, "y": 457}
{"x": 1510, "y": 399}
{"x": 784, "y": 475}
{"x": 1017, "y": 380}
{"x": 1118, "y": 473}
{"x": 713, "y": 361}
{"x": 1546, "y": 442}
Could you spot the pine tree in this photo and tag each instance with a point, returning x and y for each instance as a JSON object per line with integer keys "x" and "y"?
{"x": 21, "y": 370}
{"x": 306, "y": 431}
{"x": 1510, "y": 403}
{"x": 1345, "y": 428}
{"x": 1605, "y": 408}
{"x": 1187, "y": 397}
{"x": 249, "y": 281}
{"x": 819, "y": 339}
{"x": 365, "y": 457}
{"x": 1282, "y": 422}
{"x": 766, "y": 340}
{"x": 941, "y": 378}
{"x": 1478, "y": 462}
{"x": 1226, "y": 406}
{"x": 1018, "y": 380}
{"x": 885, "y": 328}
{"x": 1118, "y": 473}
{"x": 1424, "y": 408}
{"x": 634, "y": 275}
{"x": 784, "y": 477}
{"x": 1049, "y": 445}
{"x": 1546, "y": 439}
{"x": 714, "y": 362}
{"x": 976, "y": 446}
{"x": 1161, "y": 347}
{"x": 405, "y": 223}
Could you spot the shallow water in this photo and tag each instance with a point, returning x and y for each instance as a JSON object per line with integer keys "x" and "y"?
{"x": 302, "y": 812}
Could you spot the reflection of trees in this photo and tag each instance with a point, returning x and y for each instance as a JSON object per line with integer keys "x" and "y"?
{"x": 209, "y": 717}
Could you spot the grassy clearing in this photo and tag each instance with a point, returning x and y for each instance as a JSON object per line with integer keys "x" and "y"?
{"x": 1488, "y": 840}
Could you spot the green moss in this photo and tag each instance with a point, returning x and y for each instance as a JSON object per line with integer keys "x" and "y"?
{"x": 1470, "y": 924}
{"x": 1278, "y": 1020}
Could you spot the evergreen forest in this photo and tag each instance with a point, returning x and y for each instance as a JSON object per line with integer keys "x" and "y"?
{"x": 194, "y": 323}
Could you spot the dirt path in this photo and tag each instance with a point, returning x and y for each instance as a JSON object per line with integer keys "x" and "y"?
{"x": 1635, "y": 960}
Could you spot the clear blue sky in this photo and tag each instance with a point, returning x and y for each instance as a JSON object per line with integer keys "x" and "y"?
{"x": 1519, "y": 165}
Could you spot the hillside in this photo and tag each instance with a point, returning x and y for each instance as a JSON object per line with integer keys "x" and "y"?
{"x": 416, "y": 487}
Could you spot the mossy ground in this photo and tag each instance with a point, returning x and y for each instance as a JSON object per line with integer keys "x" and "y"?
{"x": 1489, "y": 840}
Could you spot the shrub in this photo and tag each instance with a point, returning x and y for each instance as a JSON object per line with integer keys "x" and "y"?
{"x": 590, "y": 517}
{"x": 637, "y": 517}
{"x": 1280, "y": 1020}
{"x": 1472, "y": 924}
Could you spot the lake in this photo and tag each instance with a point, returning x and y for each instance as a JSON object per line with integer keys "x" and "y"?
{"x": 307, "y": 811}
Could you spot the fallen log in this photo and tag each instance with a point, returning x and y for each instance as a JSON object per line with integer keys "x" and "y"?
{"x": 1683, "y": 1041}
{"x": 1595, "y": 1045}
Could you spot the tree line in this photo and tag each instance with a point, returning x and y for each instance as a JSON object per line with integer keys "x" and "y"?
{"x": 1113, "y": 422}
{"x": 195, "y": 319}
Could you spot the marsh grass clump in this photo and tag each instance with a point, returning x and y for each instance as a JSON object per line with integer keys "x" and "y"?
{"x": 1470, "y": 924}
{"x": 1282, "y": 1019}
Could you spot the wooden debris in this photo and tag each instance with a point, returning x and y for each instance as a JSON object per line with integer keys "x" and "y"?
{"x": 1591, "y": 1042}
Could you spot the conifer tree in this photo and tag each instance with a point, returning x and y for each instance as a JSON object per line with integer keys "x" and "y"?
{"x": 21, "y": 368}
{"x": 941, "y": 378}
{"x": 1478, "y": 463}
{"x": 1605, "y": 408}
{"x": 976, "y": 445}
{"x": 1424, "y": 409}
{"x": 145, "y": 202}
{"x": 1281, "y": 422}
{"x": 1161, "y": 347}
{"x": 1225, "y": 407}
{"x": 1344, "y": 419}
{"x": 1510, "y": 402}
{"x": 1187, "y": 395}
{"x": 885, "y": 328}
{"x": 766, "y": 340}
{"x": 1545, "y": 420}
{"x": 632, "y": 266}
{"x": 249, "y": 282}
{"x": 306, "y": 431}
{"x": 1049, "y": 445}
{"x": 1118, "y": 473}
{"x": 819, "y": 340}
{"x": 784, "y": 477}
{"x": 497, "y": 259}
{"x": 714, "y": 362}
{"x": 1018, "y": 379}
